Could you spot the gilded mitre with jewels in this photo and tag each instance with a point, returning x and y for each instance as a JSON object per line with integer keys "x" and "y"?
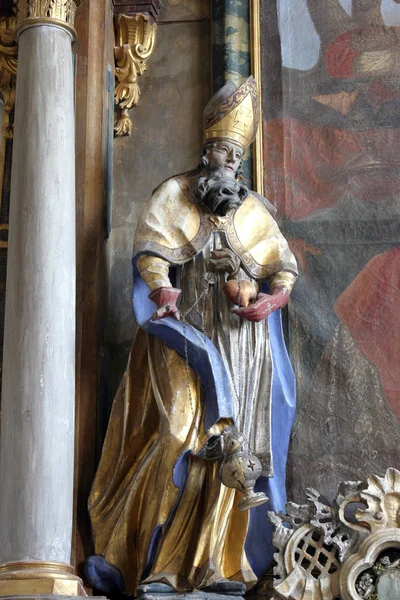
{"x": 233, "y": 114}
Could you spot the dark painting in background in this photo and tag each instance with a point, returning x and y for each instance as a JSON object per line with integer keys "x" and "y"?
{"x": 331, "y": 130}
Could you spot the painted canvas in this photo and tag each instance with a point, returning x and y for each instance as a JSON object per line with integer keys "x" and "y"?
{"x": 331, "y": 131}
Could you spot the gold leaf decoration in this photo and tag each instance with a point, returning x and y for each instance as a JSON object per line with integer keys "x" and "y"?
{"x": 124, "y": 124}
{"x": 135, "y": 36}
{"x": 8, "y": 70}
{"x": 60, "y": 10}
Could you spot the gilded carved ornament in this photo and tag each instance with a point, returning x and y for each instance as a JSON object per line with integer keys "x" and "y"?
{"x": 348, "y": 550}
{"x": 58, "y": 10}
{"x": 8, "y": 70}
{"x": 135, "y": 38}
{"x": 25, "y": 578}
{"x": 8, "y": 75}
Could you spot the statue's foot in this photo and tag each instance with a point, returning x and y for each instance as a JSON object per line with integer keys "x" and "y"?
{"x": 227, "y": 587}
{"x": 103, "y": 576}
{"x": 154, "y": 588}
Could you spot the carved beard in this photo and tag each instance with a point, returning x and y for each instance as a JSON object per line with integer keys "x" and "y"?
{"x": 219, "y": 192}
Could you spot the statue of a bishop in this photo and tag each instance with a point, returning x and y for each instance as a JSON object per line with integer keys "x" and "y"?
{"x": 211, "y": 271}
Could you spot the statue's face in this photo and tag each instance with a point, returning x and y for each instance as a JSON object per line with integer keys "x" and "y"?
{"x": 225, "y": 154}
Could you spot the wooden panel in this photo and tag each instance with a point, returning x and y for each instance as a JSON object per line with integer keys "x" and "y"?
{"x": 132, "y": 7}
{"x": 94, "y": 61}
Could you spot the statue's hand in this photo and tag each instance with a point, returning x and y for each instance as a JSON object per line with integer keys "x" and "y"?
{"x": 224, "y": 260}
{"x": 240, "y": 292}
{"x": 169, "y": 310}
{"x": 165, "y": 298}
{"x": 264, "y": 305}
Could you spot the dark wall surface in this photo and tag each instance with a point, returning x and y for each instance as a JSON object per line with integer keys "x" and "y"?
{"x": 166, "y": 140}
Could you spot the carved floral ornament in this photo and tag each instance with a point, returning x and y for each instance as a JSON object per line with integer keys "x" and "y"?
{"x": 135, "y": 39}
{"x": 61, "y": 10}
{"x": 8, "y": 70}
{"x": 349, "y": 550}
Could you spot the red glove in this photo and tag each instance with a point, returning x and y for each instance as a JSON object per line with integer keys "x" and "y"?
{"x": 165, "y": 298}
{"x": 264, "y": 305}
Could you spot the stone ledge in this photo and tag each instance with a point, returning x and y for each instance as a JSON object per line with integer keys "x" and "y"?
{"x": 48, "y": 597}
{"x": 194, "y": 595}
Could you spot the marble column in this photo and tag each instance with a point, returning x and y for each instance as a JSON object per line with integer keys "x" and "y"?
{"x": 38, "y": 395}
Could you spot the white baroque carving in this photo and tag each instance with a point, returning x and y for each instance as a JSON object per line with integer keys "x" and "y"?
{"x": 347, "y": 550}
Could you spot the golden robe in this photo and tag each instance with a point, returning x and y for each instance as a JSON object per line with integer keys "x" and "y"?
{"x": 156, "y": 425}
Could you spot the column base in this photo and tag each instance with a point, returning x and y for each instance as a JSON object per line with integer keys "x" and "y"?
{"x": 40, "y": 597}
{"x": 39, "y": 579}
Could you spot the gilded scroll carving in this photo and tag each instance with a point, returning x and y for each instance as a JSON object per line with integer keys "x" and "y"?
{"x": 135, "y": 38}
{"x": 349, "y": 550}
